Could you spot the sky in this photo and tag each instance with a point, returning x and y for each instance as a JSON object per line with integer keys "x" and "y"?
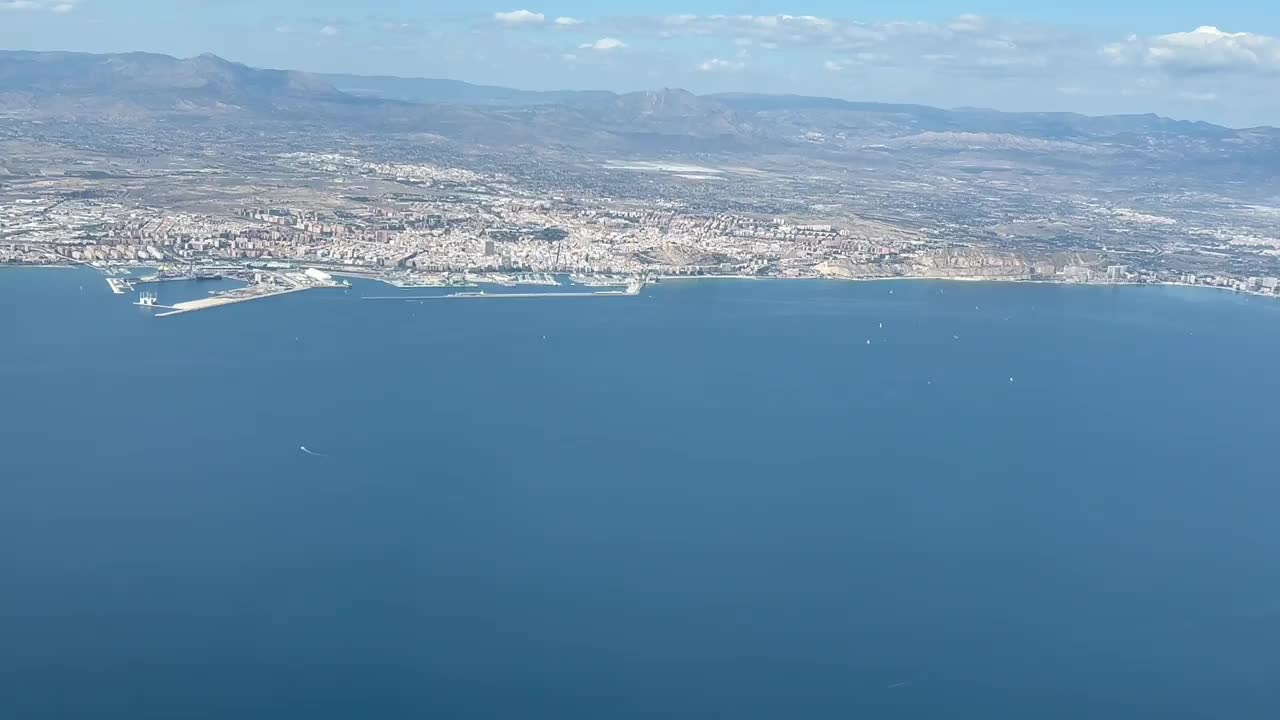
{"x": 1215, "y": 61}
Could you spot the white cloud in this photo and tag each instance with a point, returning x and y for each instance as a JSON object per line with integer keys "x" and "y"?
{"x": 761, "y": 29}
{"x": 855, "y": 60}
{"x": 328, "y": 31}
{"x": 973, "y": 44}
{"x": 995, "y": 43}
{"x": 966, "y": 23}
{"x": 284, "y": 29}
{"x": 59, "y": 7}
{"x": 1199, "y": 97}
{"x": 721, "y": 65}
{"x": 567, "y": 21}
{"x": 518, "y": 18}
{"x": 604, "y": 44}
{"x": 1203, "y": 50}
{"x": 569, "y": 57}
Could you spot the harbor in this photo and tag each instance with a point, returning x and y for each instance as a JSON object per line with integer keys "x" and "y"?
{"x": 268, "y": 280}
{"x": 253, "y": 292}
{"x": 632, "y": 289}
{"x": 259, "y": 284}
{"x": 405, "y": 279}
{"x": 194, "y": 276}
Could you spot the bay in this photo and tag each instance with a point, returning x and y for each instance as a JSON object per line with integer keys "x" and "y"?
{"x": 751, "y": 499}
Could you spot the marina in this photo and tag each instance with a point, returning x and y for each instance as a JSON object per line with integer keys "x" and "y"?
{"x": 484, "y": 295}
{"x": 270, "y": 282}
{"x": 599, "y": 280}
{"x": 264, "y": 284}
{"x": 631, "y": 290}
{"x": 179, "y": 277}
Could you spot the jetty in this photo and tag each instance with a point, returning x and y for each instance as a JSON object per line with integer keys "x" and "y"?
{"x": 253, "y": 292}
{"x": 267, "y": 285}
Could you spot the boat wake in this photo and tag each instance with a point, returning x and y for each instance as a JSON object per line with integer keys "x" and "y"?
{"x": 304, "y": 449}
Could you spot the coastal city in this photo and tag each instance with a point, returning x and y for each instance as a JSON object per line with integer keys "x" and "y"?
{"x": 423, "y": 225}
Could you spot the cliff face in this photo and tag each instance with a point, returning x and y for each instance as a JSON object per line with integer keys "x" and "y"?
{"x": 971, "y": 262}
{"x": 846, "y": 270}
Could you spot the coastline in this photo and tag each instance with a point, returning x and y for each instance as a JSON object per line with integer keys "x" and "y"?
{"x": 373, "y": 276}
{"x": 983, "y": 279}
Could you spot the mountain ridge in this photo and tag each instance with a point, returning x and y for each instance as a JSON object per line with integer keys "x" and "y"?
{"x": 145, "y": 71}
{"x": 149, "y": 86}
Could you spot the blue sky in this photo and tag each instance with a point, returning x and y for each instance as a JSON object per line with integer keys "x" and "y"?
{"x": 1200, "y": 60}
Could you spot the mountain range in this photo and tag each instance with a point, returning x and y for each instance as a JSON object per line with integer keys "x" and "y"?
{"x": 138, "y": 86}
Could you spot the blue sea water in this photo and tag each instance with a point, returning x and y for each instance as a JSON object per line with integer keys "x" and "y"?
{"x": 713, "y": 500}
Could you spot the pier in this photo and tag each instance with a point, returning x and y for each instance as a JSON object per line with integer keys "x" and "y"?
{"x": 267, "y": 284}
{"x": 228, "y": 298}
{"x": 120, "y": 286}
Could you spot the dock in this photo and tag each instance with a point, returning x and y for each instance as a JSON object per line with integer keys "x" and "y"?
{"x": 267, "y": 284}
{"x": 148, "y": 300}
{"x": 120, "y": 286}
{"x": 509, "y": 296}
{"x": 191, "y": 277}
{"x": 485, "y": 295}
{"x": 631, "y": 290}
{"x": 229, "y": 298}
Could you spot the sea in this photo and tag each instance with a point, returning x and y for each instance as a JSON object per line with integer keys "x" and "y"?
{"x": 903, "y": 500}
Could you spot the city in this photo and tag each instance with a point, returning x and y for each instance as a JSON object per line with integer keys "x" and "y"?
{"x": 612, "y": 188}
{"x": 424, "y": 224}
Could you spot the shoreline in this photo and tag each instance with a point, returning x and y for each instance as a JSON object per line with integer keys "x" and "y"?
{"x": 895, "y": 278}
{"x": 993, "y": 280}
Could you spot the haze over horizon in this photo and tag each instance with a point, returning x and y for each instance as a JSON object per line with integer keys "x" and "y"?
{"x": 1183, "y": 61}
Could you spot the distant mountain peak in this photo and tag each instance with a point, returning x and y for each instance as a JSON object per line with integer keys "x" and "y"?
{"x": 134, "y": 85}
{"x": 670, "y": 102}
{"x": 139, "y": 82}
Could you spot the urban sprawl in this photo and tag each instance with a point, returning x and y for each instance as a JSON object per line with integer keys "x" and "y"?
{"x": 422, "y": 224}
